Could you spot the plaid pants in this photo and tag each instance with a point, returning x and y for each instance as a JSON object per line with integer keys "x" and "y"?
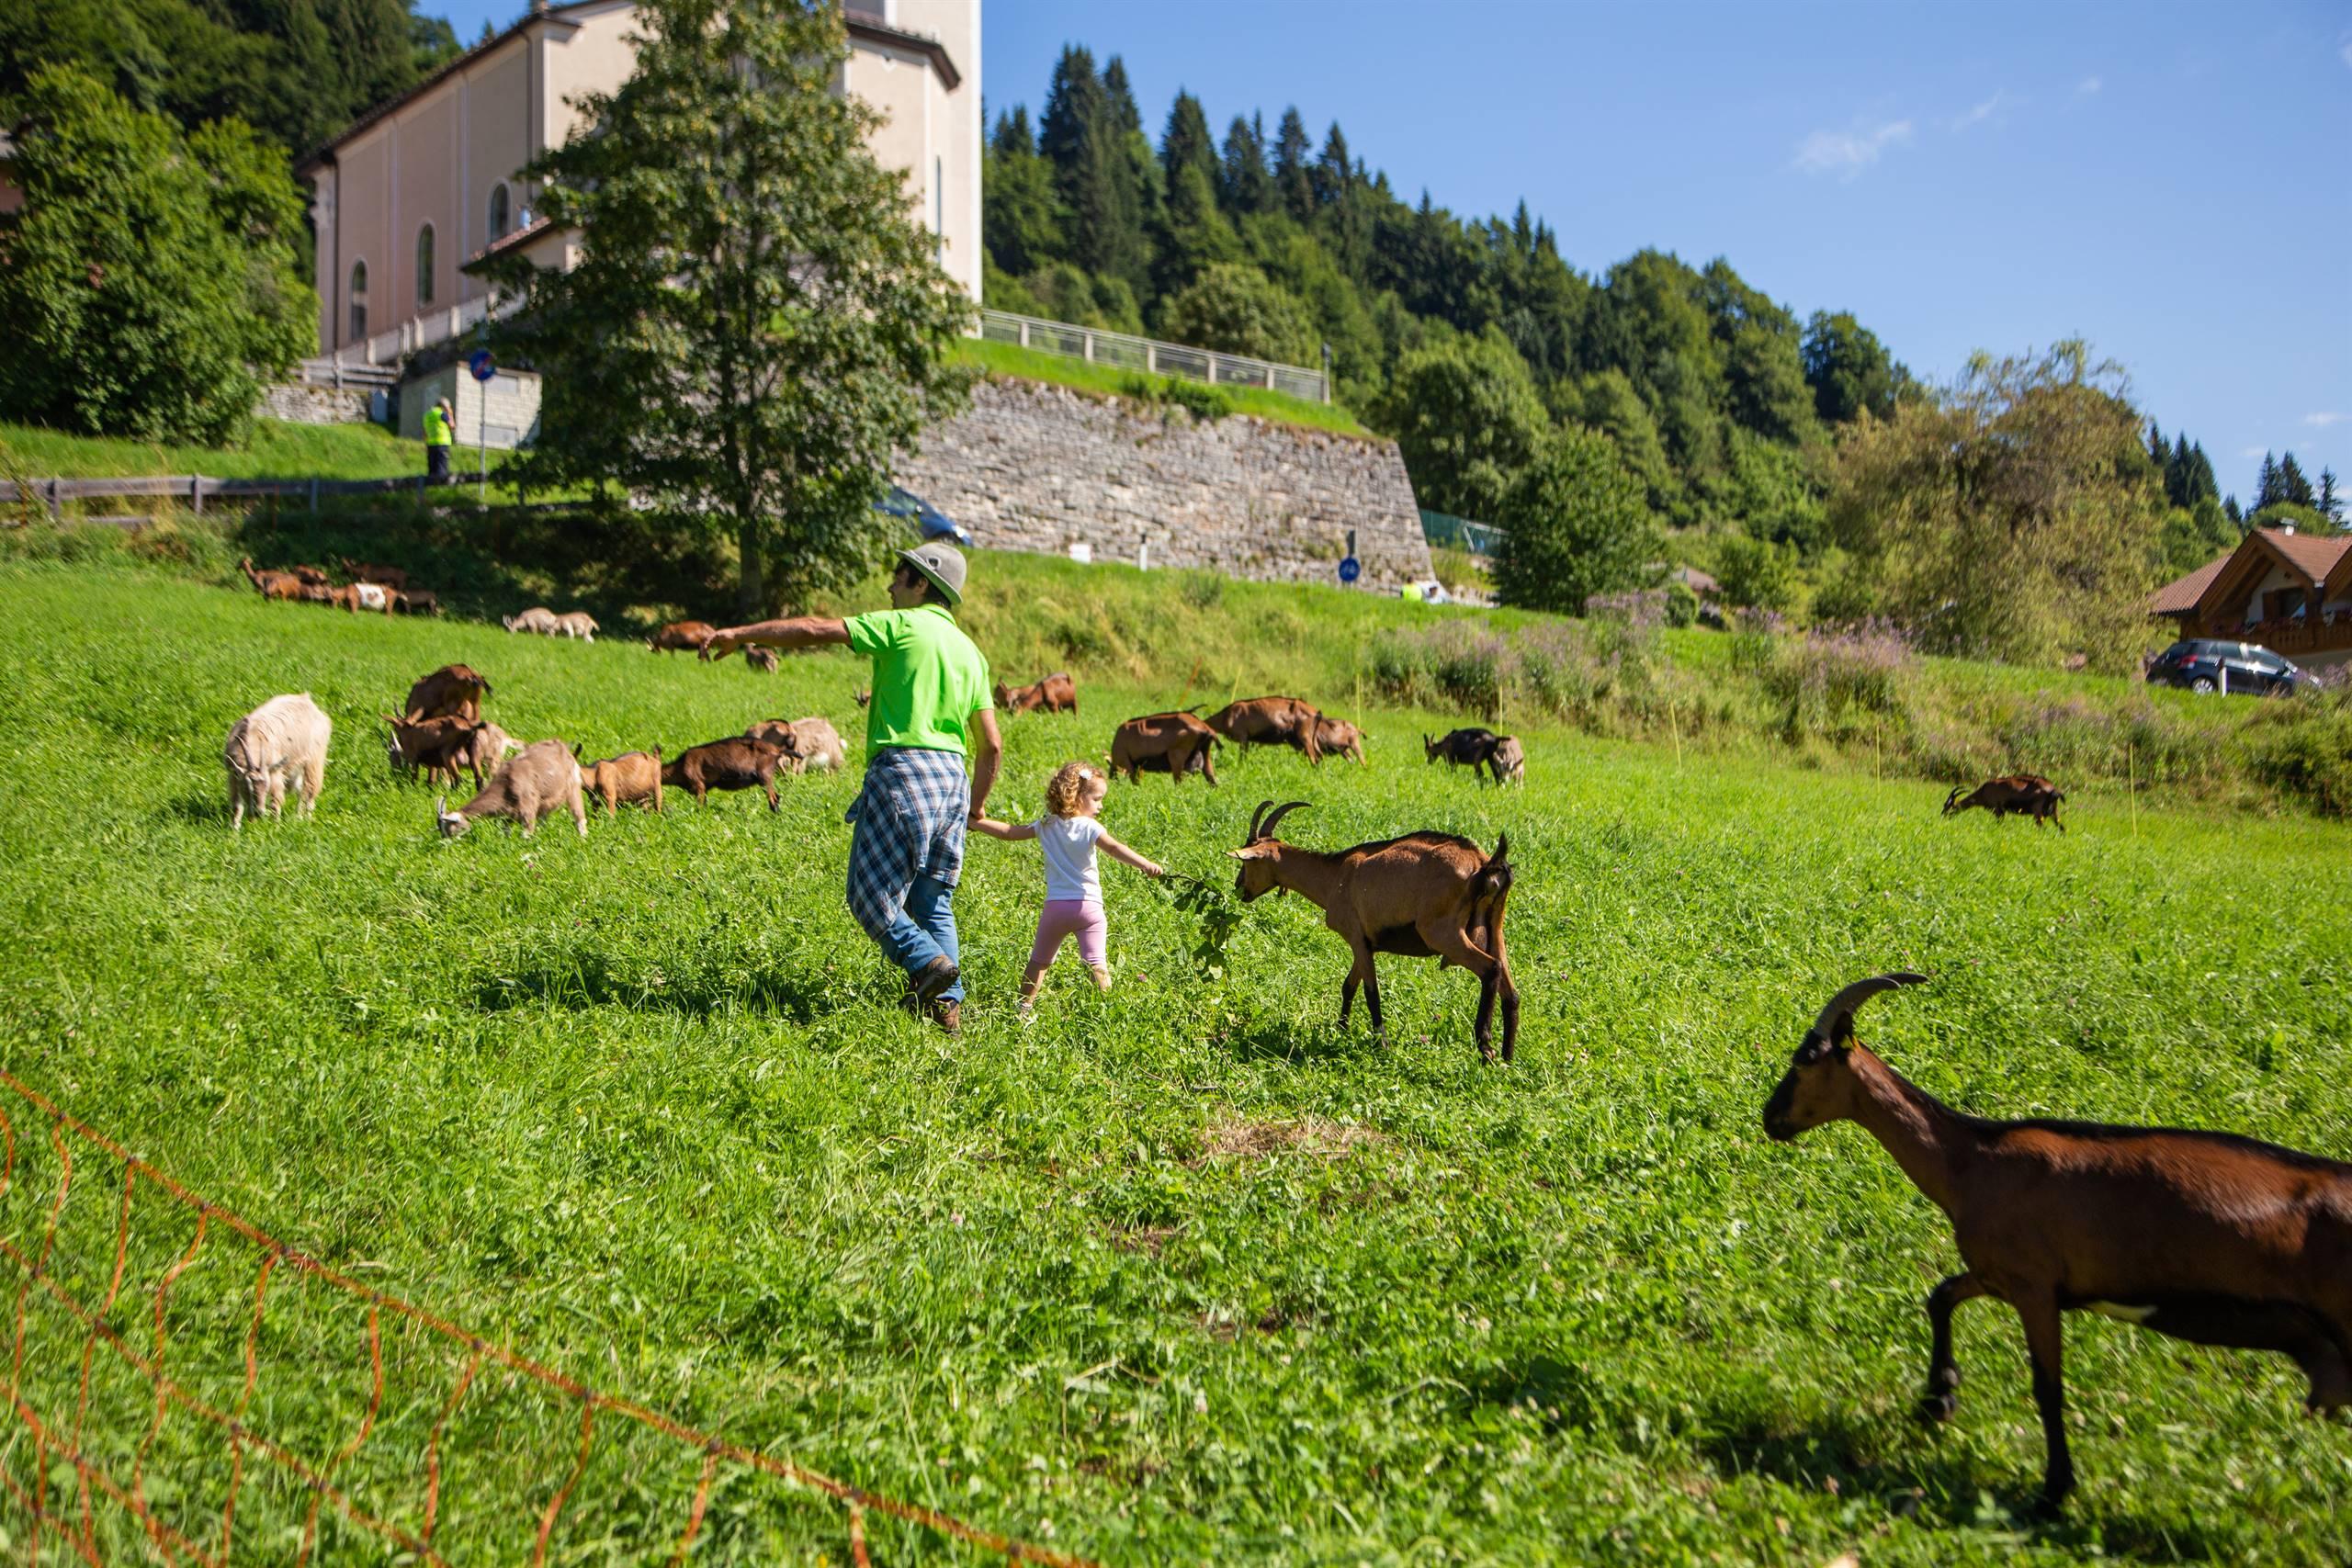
{"x": 910, "y": 821}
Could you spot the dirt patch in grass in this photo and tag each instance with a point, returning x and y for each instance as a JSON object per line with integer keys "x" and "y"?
{"x": 1263, "y": 1140}
{"x": 1145, "y": 1239}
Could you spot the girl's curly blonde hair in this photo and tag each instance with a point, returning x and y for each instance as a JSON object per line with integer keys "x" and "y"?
{"x": 1068, "y": 787}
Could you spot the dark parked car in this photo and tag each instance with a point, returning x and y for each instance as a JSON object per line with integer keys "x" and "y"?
{"x": 2201, "y": 664}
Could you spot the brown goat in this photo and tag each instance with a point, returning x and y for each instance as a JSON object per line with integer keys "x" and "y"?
{"x": 544, "y": 779}
{"x": 2028, "y": 794}
{"x": 736, "y": 762}
{"x": 416, "y": 602}
{"x": 631, "y": 778}
{"x": 1423, "y": 895}
{"x": 2205, "y": 1237}
{"x": 453, "y": 689}
{"x": 681, "y": 637}
{"x": 271, "y": 584}
{"x": 1056, "y": 693}
{"x": 1269, "y": 721}
{"x": 764, "y": 659}
{"x": 436, "y": 747}
{"x": 1172, "y": 743}
{"x": 316, "y": 576}
{"x": 1337, "y": 738}
{"x": 390, "y": 577}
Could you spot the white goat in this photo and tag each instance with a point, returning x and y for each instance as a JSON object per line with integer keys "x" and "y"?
{"x": 578, "y": 624}
{"x": 537, "y": 619}
{"x": 544, "y": 778}
{"x": 282, "y": 741}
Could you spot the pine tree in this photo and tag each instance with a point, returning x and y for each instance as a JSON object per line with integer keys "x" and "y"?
{"x": 2293, "y": 489}
{"x": 1119, "y": 96}
{"x": 1332, "y": 177}
{"x": 1186, "y": 142}
{"x": 2265, "y": 484}
{"x": 1012, "y": 135}
{"x": 2207, "y": 487}
{"x": 1073, "y": 106}
{"x": 2158, "y": 453}
{"x": 2329, "y": 504}
{"x": 1293, "y": 185}
{"x": 1243, "y": 185}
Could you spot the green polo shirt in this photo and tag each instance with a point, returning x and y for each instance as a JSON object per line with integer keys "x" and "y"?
{"x": 928, "y": 679}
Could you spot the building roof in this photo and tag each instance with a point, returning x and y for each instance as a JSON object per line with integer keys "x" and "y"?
{"x": 859, "y": 28}
{"x": 2314, "y": 556}
{"x": 2180, "y": 595}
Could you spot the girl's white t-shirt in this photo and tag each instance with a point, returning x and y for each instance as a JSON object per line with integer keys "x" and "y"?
{"x": 1068, "y": 843}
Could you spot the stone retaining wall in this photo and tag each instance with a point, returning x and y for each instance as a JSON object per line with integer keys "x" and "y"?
{"x": 314, "y": 405}
{"x": 1034, "y": 467}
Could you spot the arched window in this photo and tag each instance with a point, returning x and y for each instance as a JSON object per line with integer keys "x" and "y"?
{"x": 498, "y": 212}
{"x": 358, "y": 298}
{"x": 424, "y": 266}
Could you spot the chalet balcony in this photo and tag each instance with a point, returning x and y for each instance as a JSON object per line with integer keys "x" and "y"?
{"x": 2299, "y": 634}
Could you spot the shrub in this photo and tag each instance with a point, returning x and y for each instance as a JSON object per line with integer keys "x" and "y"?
{"x": 1681, "y": 604}
{"x": 1235, "y": 308}
{"x": 2308, "y": 755}
{"x": 1201, "y": 590}
{"x": 1577, "y": 523}
{"x": 1823, "y": 679}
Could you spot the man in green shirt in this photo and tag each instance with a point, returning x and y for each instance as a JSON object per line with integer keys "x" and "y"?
{"x": 440, "y": 429}
{"x": 932, "y": 707}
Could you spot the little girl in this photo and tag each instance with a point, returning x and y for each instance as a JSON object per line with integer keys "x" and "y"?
{"x": 1069, "y": 833}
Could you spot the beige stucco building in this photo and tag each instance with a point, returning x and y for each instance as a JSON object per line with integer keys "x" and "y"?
{"x": 422, "y": 184}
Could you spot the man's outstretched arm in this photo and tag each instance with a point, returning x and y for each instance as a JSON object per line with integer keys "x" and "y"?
{"x": 988, "y": 751}
{"x": 798, "y": 631}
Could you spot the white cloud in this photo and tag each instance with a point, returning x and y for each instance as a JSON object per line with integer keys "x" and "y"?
{"x": 1846, "y": 154}
{"x": 2324, "y": 420}
{"x": 1977, "y": 114}
{"x": 2347, "y": 51}
{"x": 2254, "y": 451}
{"x": 2088, "y": 86}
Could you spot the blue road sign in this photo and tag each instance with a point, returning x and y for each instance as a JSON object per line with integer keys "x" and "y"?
{"x": 478, "y": 362}
{"x": 1350, "y": 569}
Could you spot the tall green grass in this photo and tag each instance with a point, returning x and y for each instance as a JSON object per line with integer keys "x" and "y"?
{"x": 1032, "y": 365}
{"x": 1187, "y": 1273}
{"x": 279, "y": 450}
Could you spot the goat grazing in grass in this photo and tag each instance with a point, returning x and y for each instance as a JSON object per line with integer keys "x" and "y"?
{"x": 2026, "y": 795}
{"x": 807, "y": 743}
{"x": 283, "y": 741}
{"x": 390, "y": 577}
{"x": 736, "y": 762}
{"x": 1054, "y": 694}
{"x": 766, "y": 660}
{"x": 681, "y": 637}
{"x": 1423, "y": 895}
{"x": 1269, "y": 721}
{"x": 538, "y": 620}
{"x": 578, "y": 624}
{"x": 543, "y": 779}
{"x": 271, "y": 584}
{"x": 1508, "y": 761}
{"x": 1337, "y": 738}
{"x": 415, "y": 602}
{"x": 1172, "y": 743}
{"x": 454, "y": 689}
{"x": 2204, "y": 1236}
{"x": 1473, "y": 746}
{"x": 630, "y": 778}
{"x": 436, "y": 747}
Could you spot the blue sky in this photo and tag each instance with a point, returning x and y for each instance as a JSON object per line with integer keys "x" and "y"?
{"x": 2173, "y": 182}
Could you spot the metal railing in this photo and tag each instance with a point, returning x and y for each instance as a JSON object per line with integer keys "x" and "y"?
{"x": 389, "y": 348}
{"x": 1152, "y": 357}
{"x": 1460, "y": 533}
{"x": 194, "y": 489}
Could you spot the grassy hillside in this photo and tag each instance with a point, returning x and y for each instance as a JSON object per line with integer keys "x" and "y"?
{"x": 1185, "y": 1274}
{"x": 1032, "y": 365}
{"x": 1826, "y": 701}
{"x": 279, "y": 450}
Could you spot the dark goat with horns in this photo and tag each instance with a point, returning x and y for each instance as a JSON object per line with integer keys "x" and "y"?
{"x": 1422, "y": 896}
{"x": 2204, "y": 1236}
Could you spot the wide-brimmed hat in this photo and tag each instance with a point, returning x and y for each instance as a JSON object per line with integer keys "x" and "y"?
{"x": 940, "y": 564}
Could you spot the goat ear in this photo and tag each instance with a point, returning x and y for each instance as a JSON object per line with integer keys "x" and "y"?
{"x": 1255, "y": 852}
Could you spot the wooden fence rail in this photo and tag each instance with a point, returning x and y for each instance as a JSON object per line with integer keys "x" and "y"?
{"x": 197, "y": 489}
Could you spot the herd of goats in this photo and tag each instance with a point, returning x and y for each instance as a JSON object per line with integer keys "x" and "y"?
{"x": 2204, "y": 1236}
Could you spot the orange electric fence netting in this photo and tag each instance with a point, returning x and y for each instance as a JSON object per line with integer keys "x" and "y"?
{"x": 144, "y": 1420}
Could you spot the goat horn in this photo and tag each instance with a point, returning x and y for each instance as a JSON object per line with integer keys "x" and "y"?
{"x": 1257, "y": 816}
{"x": 1266, "y": 828}
{"x": 1837, "y": 1019}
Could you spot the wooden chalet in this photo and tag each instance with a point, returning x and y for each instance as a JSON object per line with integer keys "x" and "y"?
{"x": 2290, "y": 592}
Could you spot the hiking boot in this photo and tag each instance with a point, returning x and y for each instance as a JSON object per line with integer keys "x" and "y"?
{"x": 949, "y": 1016}
{"x": 934, "y": 977}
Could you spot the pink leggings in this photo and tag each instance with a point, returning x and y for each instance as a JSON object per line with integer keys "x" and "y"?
{"x": 1065, "y": 917}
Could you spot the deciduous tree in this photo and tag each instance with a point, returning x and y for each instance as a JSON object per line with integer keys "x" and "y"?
{"x": 1575, "y": 525}
{"x": 757, "y": 320}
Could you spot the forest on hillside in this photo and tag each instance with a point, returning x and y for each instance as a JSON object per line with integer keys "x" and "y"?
{"x": 1681, "y": 404}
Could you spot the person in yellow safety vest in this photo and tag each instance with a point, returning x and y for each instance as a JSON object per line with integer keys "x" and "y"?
{"x": 440, "y": 424}
{"x": 1412, "y": 592}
